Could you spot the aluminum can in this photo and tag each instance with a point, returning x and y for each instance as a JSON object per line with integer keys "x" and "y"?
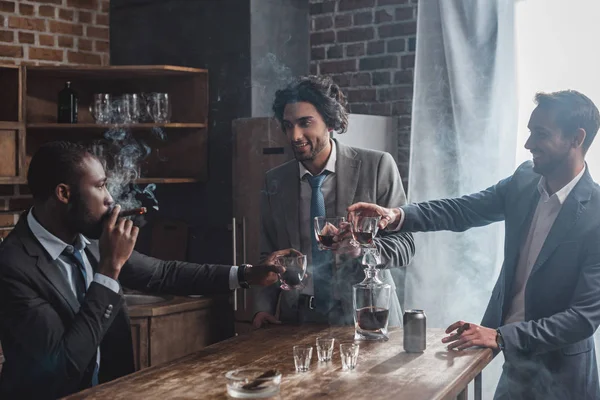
{"x": 415, "y": 331}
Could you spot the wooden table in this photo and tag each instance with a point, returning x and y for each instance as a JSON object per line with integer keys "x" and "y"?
{"x": 384, "y": 370}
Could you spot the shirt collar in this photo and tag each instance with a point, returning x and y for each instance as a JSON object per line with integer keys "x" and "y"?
{"x": 330, "y": 166}
{"x": 53, "y": 245}
{"x": 564, "y": 192}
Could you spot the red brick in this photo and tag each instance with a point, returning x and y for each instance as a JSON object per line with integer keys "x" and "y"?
{"x": 345, "y": 5}
{"x": 84, "y": 58}
{"x": 102, "y": 19}
{"x": 341, "y": 80}
{"x": 396, "y": 45}
{"x": 102, "y": 47}
{"x": 7, "y": 219}
{"x": 66, "y": 28}
{"x": 26, "y": 37}
{"x": 382, "y": 62}
{"x": 1, "y": 24}
{"x": 408, "y": 61}
{"x": 7, "y": 36}
{"x": 362, "y": 95}
{"x": 396, "y": 93}
{"x": 355, "y": 50}
{"x": 402, "y": 108}
{"x": 322, "y": 23}
{"x": 85, "y": 17}
{"x": 98, "y": 33}
{"x": 381, "y": 78}
{"x": 105, "y": 6}
{"x": 399, "y": 29}
{"x": 89, "y": 4}
{"x": 67, "y": 15}
{"x": 20, "y": 203}
{"x": 404, "y": 14}
{"x": 47, "y": 11}
{"x": 39, "y": 53}
{"x": 325, "y": 37}
{"x": 314, "y": 69}
{"x": 343, "y": 21}
{"x": 317, "y": 53}
{"x": 380, "y": 109}
{"x": 412, "y": 44}
{"x": 26, "y": 9}
{"x": 7, "y": 6}
{"x": 335, "y": 67}
{"x": 49, "y": 1}
{"x": 322, "y": 8}
{"x": 335, "y": 52}
{"x": 403, "y": 77}
{"x": 383, "y": 16}
{"x": 47, "y": 40}
{"x": 7, "y": 190}
{"x": 360, "y": 79}
{"x": 11, "y": 51}
{"x": 377, "y": 47}
{"x": 28, "y": 24}
{"x": 363, "y": 18}
{"x": 84, "y": 44}
{"x": 66, "y": 41}
{"x": 357, "y": 108}
{"x": 355, "y": 35}
{"x": 391, "y": 2}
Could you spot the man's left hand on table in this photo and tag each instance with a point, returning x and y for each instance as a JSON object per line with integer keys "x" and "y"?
{"x": 475, "y": 335}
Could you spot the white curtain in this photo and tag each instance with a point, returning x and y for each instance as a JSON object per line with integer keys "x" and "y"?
{"x": 464, "y": 134}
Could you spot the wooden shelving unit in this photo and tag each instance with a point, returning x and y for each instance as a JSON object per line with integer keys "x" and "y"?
{"x": 28, "y": 116}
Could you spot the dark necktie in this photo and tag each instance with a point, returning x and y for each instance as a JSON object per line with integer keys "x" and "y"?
{"x": 321, "y": 259}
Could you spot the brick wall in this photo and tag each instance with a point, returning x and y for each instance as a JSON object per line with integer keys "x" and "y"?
{"x": 368, "y": 48}
{"x": 50, "y": 32}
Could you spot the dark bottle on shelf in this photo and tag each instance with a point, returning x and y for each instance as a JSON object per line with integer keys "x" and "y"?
{"x": 67, "y": 105}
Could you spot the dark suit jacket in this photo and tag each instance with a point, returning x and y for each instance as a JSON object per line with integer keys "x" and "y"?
{"x": 551, "y": 354}
{"x": 50, "y": 342}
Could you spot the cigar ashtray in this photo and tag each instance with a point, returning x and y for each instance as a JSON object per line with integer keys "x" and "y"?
{"x": 252, "y": 383}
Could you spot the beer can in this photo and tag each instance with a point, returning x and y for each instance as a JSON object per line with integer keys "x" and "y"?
{"x": 415, "y": 331}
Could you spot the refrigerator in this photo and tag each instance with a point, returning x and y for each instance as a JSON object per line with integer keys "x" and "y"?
{"x": 259, "y": 145}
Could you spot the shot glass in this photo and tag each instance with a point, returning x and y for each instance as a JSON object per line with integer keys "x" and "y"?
{"x": 349, "y": 355}
{"x": 325, "y": 348}
{"x": 302, "y": 357}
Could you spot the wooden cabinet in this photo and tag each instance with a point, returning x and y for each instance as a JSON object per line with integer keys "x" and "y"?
{"x": 181, "y": 326}
{"x": 178, "y": 150}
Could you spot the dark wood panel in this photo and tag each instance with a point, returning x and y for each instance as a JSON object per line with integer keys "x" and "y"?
{"x": 9, "y": 82}
{"x": 9, "y": 156}
{"x": 139, "y": 334}
{"x": 384, "y": 370}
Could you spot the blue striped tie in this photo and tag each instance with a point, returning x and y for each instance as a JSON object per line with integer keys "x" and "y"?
{"x": 321, "y": 259}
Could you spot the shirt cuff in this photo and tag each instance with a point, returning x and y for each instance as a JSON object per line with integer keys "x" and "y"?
{"x": 399, "y": 224}
{"x": 107, "y": 282}
{"x": 234, "y": 283}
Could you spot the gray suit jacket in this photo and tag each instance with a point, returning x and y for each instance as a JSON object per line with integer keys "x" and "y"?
{"x": 362, "y": 175}
{"x": 551, "y": 354}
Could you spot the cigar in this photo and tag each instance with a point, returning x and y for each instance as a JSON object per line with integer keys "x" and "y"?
{"x": 258, "y": 380}
{"x": 134, "y": 211}
{"x": 463, "y": 328}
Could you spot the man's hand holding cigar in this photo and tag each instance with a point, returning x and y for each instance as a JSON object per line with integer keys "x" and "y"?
{"x": 469, "y": 335}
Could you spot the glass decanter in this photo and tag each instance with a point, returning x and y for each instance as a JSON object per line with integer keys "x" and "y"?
{"x": 371, "y": 299}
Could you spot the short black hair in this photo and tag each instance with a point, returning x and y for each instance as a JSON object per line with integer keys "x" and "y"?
{"x": 52, "y": 164}
{"x": 322, "y": 93}
{"x": 574, "y": 111}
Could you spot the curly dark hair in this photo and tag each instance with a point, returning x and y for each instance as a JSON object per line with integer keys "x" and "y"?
{"x": 52, "y": 164}
{"x": 321, "y": 92}
{"x": 574, "y": 110}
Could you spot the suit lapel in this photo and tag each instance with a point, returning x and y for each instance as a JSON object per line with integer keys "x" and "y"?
{"x": 567, "y": 218}
{"x": 347, "y": 169}
{"x": 45, "y": 265}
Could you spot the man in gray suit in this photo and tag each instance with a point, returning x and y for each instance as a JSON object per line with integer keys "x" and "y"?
{"x": 545, "y": 306}
{"x": 334, "y": 175}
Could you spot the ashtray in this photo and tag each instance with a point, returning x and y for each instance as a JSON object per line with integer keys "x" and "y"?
{"x": 252, "y": 383}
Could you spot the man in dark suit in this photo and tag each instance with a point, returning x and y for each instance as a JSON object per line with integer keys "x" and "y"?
{"x": 63, "y": 322}
{"x": 545, "y": 306}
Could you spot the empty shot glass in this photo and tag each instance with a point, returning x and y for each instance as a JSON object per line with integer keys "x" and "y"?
{"x": 349, "y": 355}
{"x": 302, "y": 357}
{"x": 325, "y": 348}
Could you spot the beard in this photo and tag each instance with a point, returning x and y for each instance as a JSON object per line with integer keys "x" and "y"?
{"x": 549, "y": 166}
{"x": 314, "y": 150}
{"x": 81, "y": 219}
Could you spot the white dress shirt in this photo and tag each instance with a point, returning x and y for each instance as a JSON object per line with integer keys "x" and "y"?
{"x": 545, "y": 214}
{"x": 306, "y": 225}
